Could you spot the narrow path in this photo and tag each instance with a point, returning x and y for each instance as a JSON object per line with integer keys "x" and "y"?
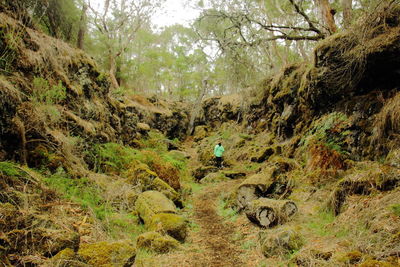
{"x": 213, "y": 241}
{"x": 216, "y": 236}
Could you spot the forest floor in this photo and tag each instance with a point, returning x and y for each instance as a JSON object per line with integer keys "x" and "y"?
{"x": 215, "y": 239}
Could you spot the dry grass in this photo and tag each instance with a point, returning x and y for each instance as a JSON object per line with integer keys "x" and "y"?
{"x": 387, "y": 123}
{"x": 165, "y": 170}
{"x": 327, "y": 161}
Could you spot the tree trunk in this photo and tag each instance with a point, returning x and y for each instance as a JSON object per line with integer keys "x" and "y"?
{"x": 82, "y": 27}
{"x": 196, "y": 108}
{"x": 22, "y": 133}
{"x": 268, "y": 212}
{"x": 326, "y": 15}
{"x": 347, "y": 6}
{"x": 113, "y": 69}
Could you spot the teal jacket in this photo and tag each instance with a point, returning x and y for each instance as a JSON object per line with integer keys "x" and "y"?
{"x": 218, "y": 150}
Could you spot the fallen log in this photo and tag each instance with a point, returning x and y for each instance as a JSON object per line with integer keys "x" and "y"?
{"x": 269, "y": 212}
{"x": 150, "y": 203}
{"x": 254, "y": 187}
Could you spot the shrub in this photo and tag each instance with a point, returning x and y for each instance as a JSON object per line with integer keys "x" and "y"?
{"x": 114, "y": 158}
{"x": 165, "y": 170}
{"x": 45, "y": 93}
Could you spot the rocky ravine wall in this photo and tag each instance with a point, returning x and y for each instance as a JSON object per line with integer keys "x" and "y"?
{"x": 34, "y": 64}
{"x": 355, "y": 74}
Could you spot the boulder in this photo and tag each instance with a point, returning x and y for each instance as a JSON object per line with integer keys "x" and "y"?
{"x": 156, "y": 242}
{"x": 120, "y": 253}
{"x": 234, "y": 174}
{"x": 213, "y": 177}
{"x": 280, "y": 242}
{"x": 172, "y": 224}
{"x": 200, "y": 132}
{"x": 143, "y": 127}
{"x": 66, "y": 258}
{"x": 139, "y": 174}
{"x": 201, "y": 172}
{"x": 263, "y": 155}
{"x": 161, "y": 186}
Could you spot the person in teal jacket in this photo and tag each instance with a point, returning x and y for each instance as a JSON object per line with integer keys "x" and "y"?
{"x": 218, "y": 152}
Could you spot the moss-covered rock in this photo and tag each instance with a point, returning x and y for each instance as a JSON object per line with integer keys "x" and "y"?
{"x": 108, "y": 254}
{"x": 200, "y": 132}
{"x": 214, "y": 177}
{"x": 201, "y": 172}
{"x": 143, "y": 127}
{"x": 150, "y": 203}
{"x": 375, "y": 263}
{"x": 172, "y": 224}
{"x": 141, "y": 175}
{"x": 66, "y": 258}
{"x": 262, "y": 154}
{"x": 280, "y": 242}
{"x": 154, "y": 241}
{"x": 365, "y": 178}
{"x": 166, "y": 189}
{"x": 351, "y": 257}
{"x": 234, "y": 174}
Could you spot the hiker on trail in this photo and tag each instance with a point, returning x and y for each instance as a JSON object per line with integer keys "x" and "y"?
{"x": 218, "y": 151}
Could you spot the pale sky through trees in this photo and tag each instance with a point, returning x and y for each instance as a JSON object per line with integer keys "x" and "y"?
{"x": 172, "y": 12}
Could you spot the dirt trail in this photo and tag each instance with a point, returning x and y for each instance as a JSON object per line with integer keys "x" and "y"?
{"x": 216, "y": 235}
{"x": 213, "y": 242}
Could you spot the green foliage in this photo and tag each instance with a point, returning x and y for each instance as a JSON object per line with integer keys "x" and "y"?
{"x": 196, "y": 187}
{"x": 119, "y": 224}
{"x": 395, "y": 209}
{"x": 224, "y": 211}
{"x": 81, "y": 191}
{"x": 9, "y": 41}
{"x": 330, "y": 130}
{"x": 114, "y": 157}
{"x": 9, "y": 169}
{"x": 44, "y": 93}
{"x": 249, "y": 244}
{"x": 319, "y": 223}
{"x": 156, "y": 141}
{"x": 58, "y": 18}
{"x": 51, "y": 112}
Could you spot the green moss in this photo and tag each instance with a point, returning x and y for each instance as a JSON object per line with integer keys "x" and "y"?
{"x": 154, "y": 241}
{"x": 140, "y": 174}
{"x": 375, "y": 263}
{"x": 281, "y": 242}
{"x": 107, "y": 254}
{"x": 319, "y": 223}
{"x": 330, "y": 130}
{"x": 64, "y": 257}
{"x": 163, "y": 187}
{"x": 113, "y": 158}
{"x": 226, "y": 211}
{"x": 150, "y": 203}
{"x": 173, "y": 224}
{"x": 45, "y": 93}
{"x": 10, "y": 169}
{"x": 395, "y": 209}
{"x": 80, "y": 191}
{"x": 351, "y": 257}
